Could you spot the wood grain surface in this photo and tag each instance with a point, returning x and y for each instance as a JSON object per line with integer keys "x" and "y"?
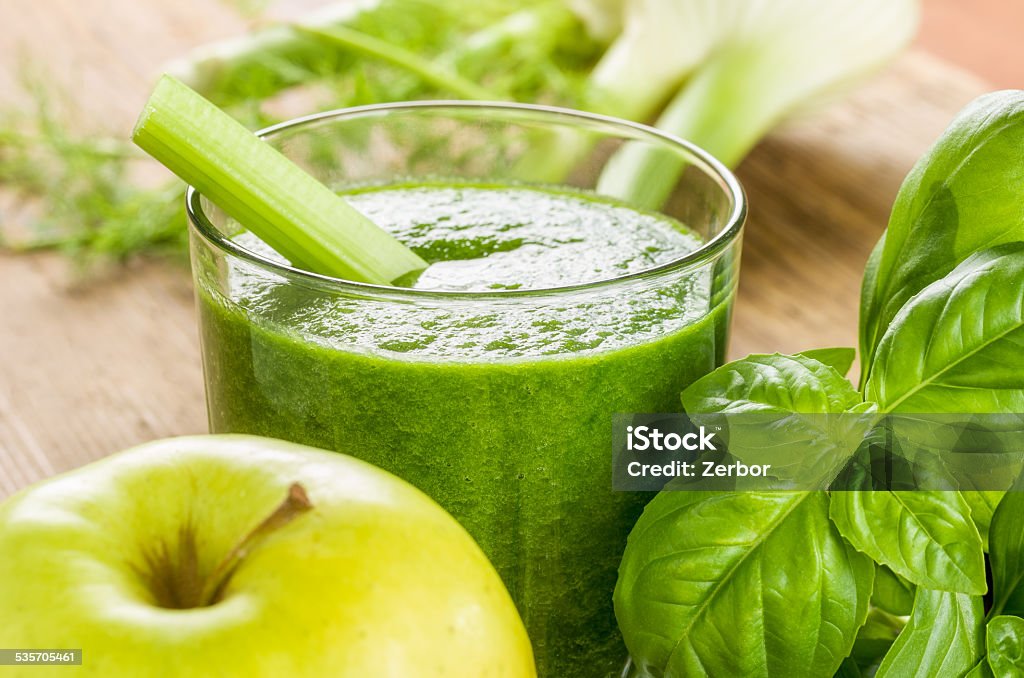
{"x": 88, "y": 370}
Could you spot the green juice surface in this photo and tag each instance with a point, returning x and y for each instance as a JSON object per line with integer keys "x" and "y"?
{"x": 499, "y": 409}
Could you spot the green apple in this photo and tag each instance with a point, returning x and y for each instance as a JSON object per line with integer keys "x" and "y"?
{"x": 244, "y": 556}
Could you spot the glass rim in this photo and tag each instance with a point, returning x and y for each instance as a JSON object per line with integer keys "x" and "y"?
{"x": 707, "y": 163}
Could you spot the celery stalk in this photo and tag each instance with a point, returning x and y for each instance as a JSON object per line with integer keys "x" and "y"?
{"x": 722, "y": 108}
{"x": 267, "y": 193}
{"x": 738, "y": 69}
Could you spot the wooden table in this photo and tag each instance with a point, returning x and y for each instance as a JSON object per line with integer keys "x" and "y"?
{"x": 88, "y": 370}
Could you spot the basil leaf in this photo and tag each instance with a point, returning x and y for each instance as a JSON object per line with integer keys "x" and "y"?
{"x": 878, "y": 463}
{"x": 963, "y": 195}
{"x": 944, "y": 637}
{"x": 1007, "y": 554}
{"x": 1005, "y": 643}
{"x": 892, "y": 593}
{"x": 755, "y": 584}
{"x": 926, "y": 537}
{"x": 839, "y": 359}
{"x": 867, "y": 287}
{"x": 956, "y": 346}
{"x": 874, "y": 639}
{"x": 983, "y": 505}
{"x": 772, "y": 384}
{"x": 981, "y": 669}
{"x": 848, "y": 669}
{"x": 810, "y": 449}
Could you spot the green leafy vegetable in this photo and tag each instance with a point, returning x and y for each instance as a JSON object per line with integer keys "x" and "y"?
{"x": 743, "y": 67}
{"x": 718, "y": 584}
{"x": 95, "y": 211}
{"x": 267, "y": 193}
{"x": 892, "y": 593}
{"x": 981, "y": 669}
{"x": 449, "y": 34}
{"x": 963, "y": 196}
{"x": 942, "y": 330}
{"x": 867, "y": 291}
{"x": 1005, "y": 643}
{"x": 874, "y": 639}
{"x": 274, "y": 57}
{"x": 944, "y": 637}
{"x": 99, "y": 201}
{"x": 839, "y": 359}
{"x": 727, "y": 59}
{"x": 983, "y": 506}
{"x": 774, "y": 386}
{"x": 772, "y": 383}
{"x": 434, "y": 74}
{"x": 849, "y": 669}
{"x": 926, "y": 537}
{"x": 940, "y": 354}
{"x": 1007, "y": 554}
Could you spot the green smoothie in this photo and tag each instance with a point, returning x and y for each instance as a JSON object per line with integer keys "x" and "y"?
{"x": 494, "y": 400}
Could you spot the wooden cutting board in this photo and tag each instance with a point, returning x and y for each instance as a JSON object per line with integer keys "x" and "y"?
{"x": 86, "y": 370}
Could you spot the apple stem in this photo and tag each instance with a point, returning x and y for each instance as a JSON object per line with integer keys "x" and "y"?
{"x": 295, "y": 504}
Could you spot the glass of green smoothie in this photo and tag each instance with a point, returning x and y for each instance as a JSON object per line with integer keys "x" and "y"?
{"x": 491, "y": 380}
